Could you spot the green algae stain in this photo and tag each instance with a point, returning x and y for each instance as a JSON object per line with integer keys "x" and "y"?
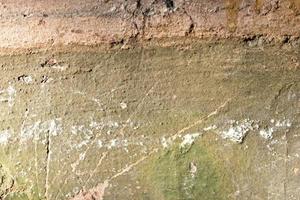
{"x": 186, "y": 175}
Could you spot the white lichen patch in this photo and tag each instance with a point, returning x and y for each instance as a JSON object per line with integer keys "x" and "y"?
{"x": 99, "y": 143}
{"x": 266, "y": 133}
{"x": 212, "y": 127}
{"x": 123, "y": 105}
{"x": 283, "y": 123}
{"x": 5, "y": 135}
{"x": 238, "y": 130}
{"x": 8, "y": 95}
{"x": 166, "y": 142}
{"x": 82, "y": 130}
{"x": 110, "y": 125}
{"x": 39, "y": 129}
{"x": 26, "y": 79}
{"x": 189, "y": 139}
{"x": 276, "y": 125}
{"x": 11, "y": 95}
{"x": 113, "y": 143}
{"x": 193, "y": 169}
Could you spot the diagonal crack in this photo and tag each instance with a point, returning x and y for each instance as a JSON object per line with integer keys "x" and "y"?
{"x": 215, "y": 112}
{"x": 132, "y": 165}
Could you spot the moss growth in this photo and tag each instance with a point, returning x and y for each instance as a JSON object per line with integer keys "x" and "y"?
{"x": 17, "y": 196}
{"x": 186, "y": 175}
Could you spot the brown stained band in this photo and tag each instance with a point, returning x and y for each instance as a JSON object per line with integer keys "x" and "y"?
{"x": 232, "y": 14}
{"x": 295, "y": 5}
{"x": 258, "y": 5}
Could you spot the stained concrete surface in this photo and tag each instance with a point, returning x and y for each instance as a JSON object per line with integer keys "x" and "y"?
{"x": 149, "y": 99}
{"x": 207, "y": 120}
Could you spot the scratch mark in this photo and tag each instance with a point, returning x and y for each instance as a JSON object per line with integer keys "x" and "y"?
{"x": 99, "y": 190}
{"x": 138, "y": 106}
{"x": 48, "y": 158}
{"x": 128, "y": 168}
{"x": 129, "y": 118}
{"x": 215, "y": 112}
{"x": 97, "y": 166}
{"x": 142, "y": 100}
{"x": 95, "y": 100}
{"x": 281, "y": 91}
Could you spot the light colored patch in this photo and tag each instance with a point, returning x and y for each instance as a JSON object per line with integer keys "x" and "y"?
{"x": 77, "y": 162}
{"x": 94, "y": 193}
{"x": 193, "y": 169}
{"x": 8, "y": 95}
{"x": 283, "y": 123}
{"x": 113, "y": 143}
{"x": 26, "y": 79}
{"x": 275, "y": 125}
{"x": 112, "y": 125}
{"x": 5, "y": 135}
{"x": 189, "y": 139}
{"x": 238, "y": 130}
{"x": 166, "y": 142}
{"x": 123, "y": 105}
{"x": 296, "y": 171}
{"x": 37, "y": 129}
{"x": 212, "y": 127}
{"x": 267, "y": 133}
{"x": 99, "y": 144}
{"x": 11, "y": 95}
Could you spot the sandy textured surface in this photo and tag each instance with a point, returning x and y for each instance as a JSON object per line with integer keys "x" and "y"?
{"x": 149, "y": 100}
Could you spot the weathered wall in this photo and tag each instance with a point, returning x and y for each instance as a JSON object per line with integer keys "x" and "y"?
{"x": 30, "y": 23}
{"x": 149, "y": 100}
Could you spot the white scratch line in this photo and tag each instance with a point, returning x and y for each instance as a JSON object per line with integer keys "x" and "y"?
{"x": 97, "y": 166}
{"x": 128, "y": 168}
{"x": 215, "y": 112}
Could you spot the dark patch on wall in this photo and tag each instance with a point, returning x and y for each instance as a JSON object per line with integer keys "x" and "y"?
{"x": 169, "y": 4}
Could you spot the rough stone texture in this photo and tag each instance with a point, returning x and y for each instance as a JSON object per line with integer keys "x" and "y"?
{"x": 30, "y": 23}
{"x": 170, "y": 100}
